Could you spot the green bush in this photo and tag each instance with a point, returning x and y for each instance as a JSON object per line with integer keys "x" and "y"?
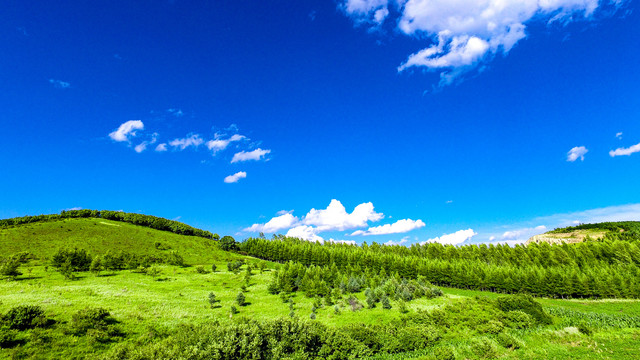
{"x": 8, "y": 338}
{"x": 484, "y": 348}
{"x": 526, "y": 304}
{"x": 585, "y": 329}
{"x": 76, "y": 259}
{"x": 96, "y": 323}
{"x": 491, "y": 327}
{"x": 24, "y": 317}
{"x": 508, "y": 341}
{"x": 517, "y": 319}
{"x": 444, "y": 353}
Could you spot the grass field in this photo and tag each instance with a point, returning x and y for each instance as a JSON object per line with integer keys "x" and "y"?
{"x": 145, "y": 304}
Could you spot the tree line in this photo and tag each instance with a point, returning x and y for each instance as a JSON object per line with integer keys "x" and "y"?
{"x": 153, "y": 222}
{"x": 591, "y": 269}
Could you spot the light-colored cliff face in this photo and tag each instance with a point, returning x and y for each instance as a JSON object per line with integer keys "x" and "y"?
{"x": 569, "y": 237}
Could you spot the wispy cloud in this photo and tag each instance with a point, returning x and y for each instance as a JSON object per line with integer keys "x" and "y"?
{"x": 619, "y": 135}
{"x": 576, "y": 153}
{"x": 59, "y": 84}
{"x": 161, "y": 147}
{"x": 256, "y": 154}
{"x": 462, "y": 34}
{"x": 126, "y": 130}
{"x": 400, "y": 226}
{"x": 217, "y": 145}
{"x": 235, "y": 177}
{"x": 625, "y": 151}
{"x": 191, "y": 140}
{"x": 175, "y": 112}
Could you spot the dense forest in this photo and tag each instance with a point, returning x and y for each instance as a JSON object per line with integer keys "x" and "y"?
{"x": 153, "y": 222}
{"x": 608, "y": 268}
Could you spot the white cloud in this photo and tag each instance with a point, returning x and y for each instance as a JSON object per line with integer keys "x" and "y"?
{"x": 221, "y": 144}
{"x": 235, "y": 177}
{"x": 59, "y": 84}
{"x": 193, "y": 140}
{"x": 305, "y": 232}
{"x": 74, "y": 208}
{"x": 463, "y": 33}
{"x": 576, "y": 153}
{"x": 625, "y": 151}
{"x": 175, "y": 112}
{"x": 126, "y": 130}
{"x": 282, "y": 212}
{"x": 456, "y": 238}
{"x": 141, "y": 147}
{"x": 284, "y": 221}
{"x": 400, "y": 226}
{"x": 619, "y": 135}
{"x": 335, "y": 216}
{"x": 161, "y": 147}
{"x": 404, "y": 240}
{"x": 256, "y": 154}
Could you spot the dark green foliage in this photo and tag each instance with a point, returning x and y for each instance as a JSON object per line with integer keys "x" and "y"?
{"x": 173, "y": 258}
{"x": 213, "y": 268}
{"x": 228, "y": 243}
{"x": 9, "y": 268}
{"x": 234, "y": 266}
{"x": 96, "y": 265}
{"x": 312, "y": 316}
{"x": 200, "y": 269}
{"x": 585, "y": 329}
{"x": 491, "y": 327}
{"x": 95, "y": 323}
{"x": 8, "y": 338}
{"x": 607, "y": 268}
{"x": 526, "y": 304}
{"x": 212, "y": 299}
{"x": 24, "y": 317}
{"x": 136, "y": 219}
{"x": 73, "y": 260}
{"x": 386, "y": 304}
{"x": 234, "y": 310}
{"x": 240, "y": 299}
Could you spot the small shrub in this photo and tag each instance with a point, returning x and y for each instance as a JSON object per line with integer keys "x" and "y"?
{"x": 585, "y": 329}
{"x": 97, "y": 319}
{"x": 517, "y": 319}
{"x": 173, "y": 258}
{"x": 9, "y": 268}
{"x": 526, "y": 304}
{"x": 213, "y": 268}
{"x": 212, "y": 299}
{"x": 491, "y": 327}
{"x": 336, "y": 310}
{"x": 386, "y": 304}
{"x": 24, "y": 317}
{"x": 200, "y": 269}
{"x": 8, "y": 338}
{"x": 240, "y": 299}
{"x": 73, "y": 260}
{"x": 403, "y": 307}
{"x": 354, "y": 303}
{"x": 484, "y": 348}
{"x": 234, "y": 310}
{"x": 312, "y": 316}
{"x": 508, "y": 341}
{"x": 444, "y": 353}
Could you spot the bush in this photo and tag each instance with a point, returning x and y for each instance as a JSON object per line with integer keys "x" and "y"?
{"x": 228, "y": 243}
{"x": 585, "y": 329}
{"x": 240, "y": 299}
{"x": 234, "y": 266}
{"x": 444, "y": 353}
{"x": 8, "y": 338}
{"x": 24, "y": 317}
{"x": 96, "y": 322}
{"x": 74, "y": 260}
{"x": 526, "y": 304}
{"x": 173, "y": 258}
{"x": 212, "y": 299}
{"x": 213, "y": 268}
{"x": 200, "y": 269}
{"x": 9, "y": 268}
{"x": 491, "y": 327}
{"x": 508, "y": 341}
{"x": 517, "y": 319}
{"x": 484, "y": 348}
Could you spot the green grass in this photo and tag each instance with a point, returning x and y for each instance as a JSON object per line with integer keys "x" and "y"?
{"x": 144, "y": 304}
{"x": 98, "y": 236}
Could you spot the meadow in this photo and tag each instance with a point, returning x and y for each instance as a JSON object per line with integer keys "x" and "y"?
{"x": 166, "y": 311}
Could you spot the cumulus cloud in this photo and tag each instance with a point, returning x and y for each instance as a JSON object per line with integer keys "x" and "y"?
{"x": 161, "y": 147}
{"x": 141, "y": 147}
{"x": 400, "y": 226}
{"x": 625, "y": 151}
{"x": 336, "y": 217}
{"x": 126, "y": 130}
{"x": 305, "y": 232}
{"x": 402, "y": 241}
{"x": 576, "y": 153}
{"x": 193, "y": 140}
{"x": 284, "y": 221}
{"x": 221, "y": 144}
{"x": 235, "y": 177}
{"x": 456, "y": 238}
{"x": 256, "y": 154}
{"x": 464, "y": 33}
{"x": 59, "y": 84}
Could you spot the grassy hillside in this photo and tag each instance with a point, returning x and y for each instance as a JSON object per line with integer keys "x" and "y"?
{"x": 99, "y": 236}
{"x": 622, "y": 230}
{"x": 167, "y": 312}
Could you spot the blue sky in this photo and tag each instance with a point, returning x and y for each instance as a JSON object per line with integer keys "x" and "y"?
{"x": 357, "y": 120}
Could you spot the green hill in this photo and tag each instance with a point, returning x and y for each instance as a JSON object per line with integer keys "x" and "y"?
{"x": 98, "y": 236}
{"x": 622, "y": 230}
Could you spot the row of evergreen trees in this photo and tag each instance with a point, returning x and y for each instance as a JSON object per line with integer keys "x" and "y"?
{"x": 331, "y": 283}
{"x": 153, "y": 222}
{"x": 596, "y": 276}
